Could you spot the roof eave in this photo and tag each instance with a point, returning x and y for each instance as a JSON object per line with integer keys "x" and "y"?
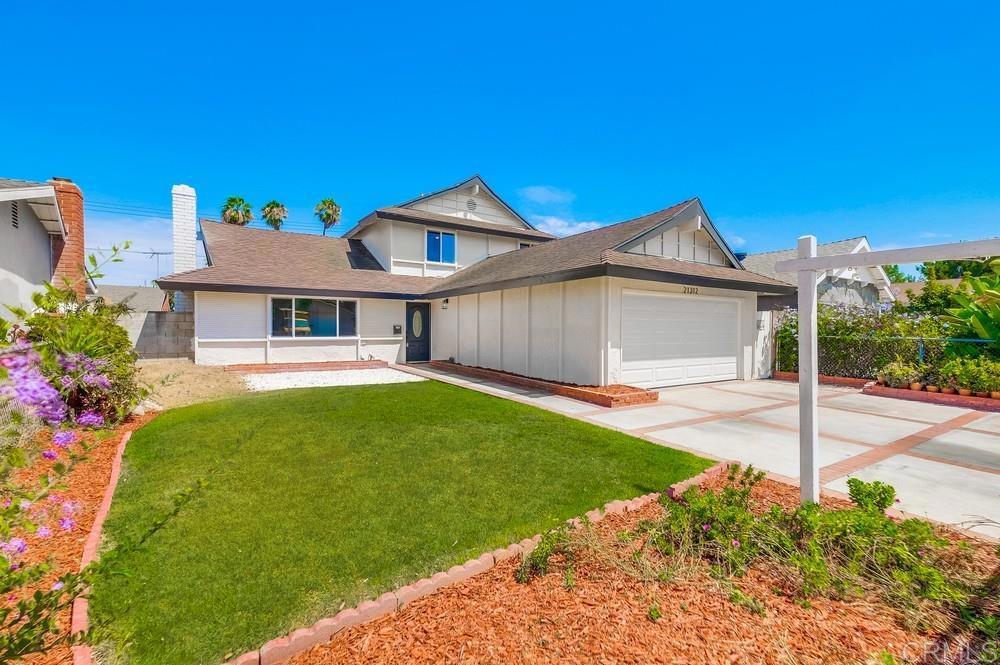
{"x": 180, "y": 285}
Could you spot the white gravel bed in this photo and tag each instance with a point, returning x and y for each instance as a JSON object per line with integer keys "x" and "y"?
{"x": 344, "y": 377}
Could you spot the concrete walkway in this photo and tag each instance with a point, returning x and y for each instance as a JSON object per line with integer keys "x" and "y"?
{"x": 943, "y": 461}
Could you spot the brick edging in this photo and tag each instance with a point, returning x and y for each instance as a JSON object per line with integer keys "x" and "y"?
{"x": 300, "y": 640}
{"x": 969, "y": 402}
{"x": 79, "y": 621}
{"x": 640, "y": 396}
{"x": 825, "y": 379}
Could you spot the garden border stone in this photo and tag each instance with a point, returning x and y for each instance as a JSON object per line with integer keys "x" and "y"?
{"x": 79, "y": 617}
{"x": 969, "y": 402}
{"x": 282, "y": 648}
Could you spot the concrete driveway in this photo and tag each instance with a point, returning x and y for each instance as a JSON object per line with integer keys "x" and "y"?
{"x": 943, "y": 461}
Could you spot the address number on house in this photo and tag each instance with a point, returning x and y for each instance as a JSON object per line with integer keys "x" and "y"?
{"x": 691, "y": 290}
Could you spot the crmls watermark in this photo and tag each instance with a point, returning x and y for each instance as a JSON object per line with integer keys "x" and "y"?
{"x": 942, "y": 652}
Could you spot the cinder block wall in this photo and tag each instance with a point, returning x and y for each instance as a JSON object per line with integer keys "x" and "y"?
{"x": 161, "y": 334}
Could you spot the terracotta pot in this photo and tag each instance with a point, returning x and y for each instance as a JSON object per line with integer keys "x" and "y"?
{"x": 982, "y": 393}
{"x": 995, "y": 394}
{"x": 916, "y": 385}
{"x": 948, "y": 390}
{"x": 964, "y": 392}
{"x": 933, "y": 389}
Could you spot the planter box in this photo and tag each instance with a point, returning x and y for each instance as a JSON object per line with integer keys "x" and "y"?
{"x": 971, "y": 402}
{"x": 824, "y": 379}
{"x": 627, "y": 397}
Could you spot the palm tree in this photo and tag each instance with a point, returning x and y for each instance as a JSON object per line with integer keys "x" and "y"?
{"x": 237, "y": 211}
{"x": 274, "y": 214}
{"x": 328, "y": 212}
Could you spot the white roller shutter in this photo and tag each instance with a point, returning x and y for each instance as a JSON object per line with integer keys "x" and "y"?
{"x": 673, "y": 340}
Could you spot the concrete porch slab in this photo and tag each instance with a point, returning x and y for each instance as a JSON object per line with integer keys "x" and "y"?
{"x": 754, "y": 443}
{"x": 863, "y": 427}
{"x": 938, "y": 490}
{"x": 897, "y": 408}
{"x": 964, "y": 447}
{"x": 714, "y": 400}
{"x": 647, "y": 416}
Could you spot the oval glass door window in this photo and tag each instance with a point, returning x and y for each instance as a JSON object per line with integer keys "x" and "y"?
{"x": 418, "y": 323}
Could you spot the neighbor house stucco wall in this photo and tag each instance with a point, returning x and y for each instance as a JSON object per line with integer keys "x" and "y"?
{"x": 25, "y": 255}
{"x": 616, "y": 286}
{"x": 233, "y": 328}
{"x": 549, "y": 331}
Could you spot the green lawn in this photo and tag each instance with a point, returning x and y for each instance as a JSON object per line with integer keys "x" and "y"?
{"x": 322, "y": 497}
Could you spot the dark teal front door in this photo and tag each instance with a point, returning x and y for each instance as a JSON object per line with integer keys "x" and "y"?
{"x": 418, "y": 332}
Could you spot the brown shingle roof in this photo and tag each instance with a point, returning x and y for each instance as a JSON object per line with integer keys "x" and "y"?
{"x": 280, "y": 262}
{"x": 903, "y": 290}
{"x": 447, "y": 221}
{"x": 764, "y": 262}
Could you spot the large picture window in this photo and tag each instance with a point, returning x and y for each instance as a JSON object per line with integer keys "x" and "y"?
{"x": 313, "y": 317}
{"x": 440, "y": 247}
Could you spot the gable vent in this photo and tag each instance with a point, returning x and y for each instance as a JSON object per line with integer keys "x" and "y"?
{"x": 13, "y": 214}
{"x": 471, "y": 204}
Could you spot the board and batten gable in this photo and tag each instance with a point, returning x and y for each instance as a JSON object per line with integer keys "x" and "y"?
{"x": 471, "y": 202}
{"x": 687, "y": 237}
{"x": 549, "y": 331}
{"x": 234, "y": 328}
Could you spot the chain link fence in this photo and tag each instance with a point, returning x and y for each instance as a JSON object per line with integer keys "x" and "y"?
{"x": 864, "y": 357}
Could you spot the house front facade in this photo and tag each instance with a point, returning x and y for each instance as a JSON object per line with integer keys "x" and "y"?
{"x": 458, "y": 274}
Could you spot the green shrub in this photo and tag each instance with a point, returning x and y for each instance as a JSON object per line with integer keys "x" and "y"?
{"x": 875, "y": 495}
{"x": 900, "y": 374}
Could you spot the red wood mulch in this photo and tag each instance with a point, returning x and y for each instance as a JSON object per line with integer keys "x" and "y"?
{"x": 83, "y": 486}
{"x": 604, "y": 618}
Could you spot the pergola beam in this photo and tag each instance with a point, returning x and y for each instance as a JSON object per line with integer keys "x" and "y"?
{"x": 955, "y": 250}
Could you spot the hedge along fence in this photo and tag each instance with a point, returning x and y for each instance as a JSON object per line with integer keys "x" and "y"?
{"x": 864, "y": 357}
{"x": 858, "y": 342}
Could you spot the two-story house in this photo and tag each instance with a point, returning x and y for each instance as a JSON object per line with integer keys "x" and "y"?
{"x": 652, "y": 301}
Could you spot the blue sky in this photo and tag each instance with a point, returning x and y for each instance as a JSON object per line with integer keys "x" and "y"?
{"x": 837, "y": 120}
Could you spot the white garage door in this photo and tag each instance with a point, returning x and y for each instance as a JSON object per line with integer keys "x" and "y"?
{"x": 670, "y": 340}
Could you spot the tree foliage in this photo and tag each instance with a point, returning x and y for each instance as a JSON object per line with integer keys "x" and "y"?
{"x": 236, "y": 211}
{"x": 955, "y": 269}
{"x": 328, "y": 213}
{"x": 274, "y": 214}
{"x": 896, "y": 275}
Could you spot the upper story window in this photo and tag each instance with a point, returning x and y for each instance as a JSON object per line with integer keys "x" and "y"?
{"x": 523, "y": 245}
{"x": 312, "y": 317}
{"x": 440, "y": 247}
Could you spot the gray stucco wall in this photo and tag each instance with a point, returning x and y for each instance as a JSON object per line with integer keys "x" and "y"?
{"x": 25, "y": 255}
{"x": 831, "y": 292}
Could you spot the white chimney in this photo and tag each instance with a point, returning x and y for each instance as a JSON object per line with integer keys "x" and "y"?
{"x": 184, "y": 206}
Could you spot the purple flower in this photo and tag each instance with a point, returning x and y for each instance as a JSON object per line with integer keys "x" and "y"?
{"x": 736, "y": 543}
{"x": 24, "y": 504}
{"x": 706, "y": 527}
{"x": 43, "y": 532}
{"x": 66, "y": 381}
{"x": 27, "y": 385}
{"x": 90, "y": 418}
{"x": 58, "y": 586}
{"x": 67, "y": 524}
{"x": 64, "y": 438}
{"x": 50, "y": 454}
{"x": 14, "y": 546}
{"x": 70, "y": 508}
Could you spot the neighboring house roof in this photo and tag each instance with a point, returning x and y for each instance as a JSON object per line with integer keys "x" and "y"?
{"x": 139, "y": 298}
{"x": 256, "y": 260}
{"x": 594, "y": 253}
{"x": 410, "y": 215}
{"x": 764, "y": 262}
{"x": 13, "y": 183}
{"x": 905, "y": 290}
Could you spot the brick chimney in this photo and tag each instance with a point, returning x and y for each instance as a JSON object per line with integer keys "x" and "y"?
{"x": 68, "y": 253}
{"x": 184, "y": 205}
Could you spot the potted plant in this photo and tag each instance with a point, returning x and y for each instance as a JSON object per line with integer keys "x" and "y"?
{"x": 933, "y": 379}
{"x": 966, "y": 378}
{"x": 899, "y": 374}
{"x": 948, "y": 376}
{"x": 981, "y": 378}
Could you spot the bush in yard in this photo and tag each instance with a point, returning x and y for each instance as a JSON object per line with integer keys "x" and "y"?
{"x": 899, "y": 374}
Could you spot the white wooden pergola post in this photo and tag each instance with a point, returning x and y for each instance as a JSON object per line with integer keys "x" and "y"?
{"x": 807, "y": 265}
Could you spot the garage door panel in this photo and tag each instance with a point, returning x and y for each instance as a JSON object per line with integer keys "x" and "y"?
{"x": 669, "y": 340}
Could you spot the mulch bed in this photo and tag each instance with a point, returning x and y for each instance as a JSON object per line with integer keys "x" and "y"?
{"x": 85, "y": 486}
{"x": 603, "y": 618}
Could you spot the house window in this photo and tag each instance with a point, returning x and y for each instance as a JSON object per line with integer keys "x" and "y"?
{"x": 440, "y": 247}
{"x": 313, "y": 317}
{"x": 523, "y": 245}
